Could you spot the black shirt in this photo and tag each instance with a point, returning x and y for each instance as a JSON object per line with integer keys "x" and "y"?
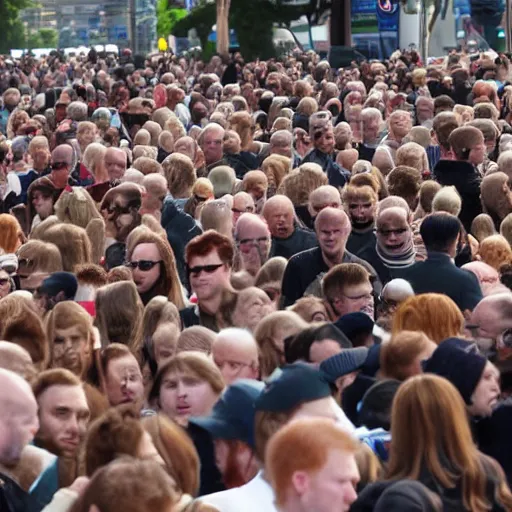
{"x": 13, "y": 498}
{"x": 358, "y": 241}
{"x": 300, "y": 240}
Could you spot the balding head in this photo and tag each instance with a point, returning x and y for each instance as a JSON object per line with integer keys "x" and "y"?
{"x": 235, "y": 352}
{"x": 281, "y": 143}
{"x": 492, "y": 315}
{"x": 332, "y": 227}
{"x": 15, "y": 358}
{"x": 279, "y": 214}
{"x": 323, "y": 197}
{"x": 62, "y": 153}
{"x": 115, "y": 162}
{"x": 18, "y": 421}
{"x": 242, "y": 203}
{"x": 331, "y": 215}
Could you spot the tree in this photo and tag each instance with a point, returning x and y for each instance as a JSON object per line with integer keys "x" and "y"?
{"x": 166, "y": 18}
{"x": 13, "y": 31}
{"x": 49, "y": 37}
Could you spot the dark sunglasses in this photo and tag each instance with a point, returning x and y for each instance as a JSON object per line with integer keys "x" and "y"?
{"x": 389, "y": 232}
{"x": 209, "y": 269}
{"x": 4, "y": 281}
{"x": 143, "y": 265}
{"x": 57, "y": 166}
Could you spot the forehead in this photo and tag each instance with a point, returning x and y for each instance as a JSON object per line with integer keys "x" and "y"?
{"x": 398, "y": 216}
{"x": 123, "y": 364}
{"x": 72, "y": 397}
{"x": 212, "y": 258}
{"x": 117, "y": 156}
{"x": 75, "y": 330}
{"x": 331, "y": 222}
{"x": 146, "y": 251}
{"x": 358, "y": 289}
{"x": 243, "y": 200}
{"x": 252, "y": 228}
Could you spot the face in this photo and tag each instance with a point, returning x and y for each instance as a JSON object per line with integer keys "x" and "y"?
{"x": 146, "y": 255}
{"x": 71, "y": 349}
{"x": 332, "y": 236}
{"x": 5, "y": 284}
{"x": 361, "y": 213}
{"x": 355, "y": 298}
{"x": 123, "y": 383}
{"x": 234, "y": 362}
{"x": 322, "y": 350}
{"x": 335, "y": 482}
{"x": 64, "y": 416}
{"x": 241, "y": 204}
{"x": 486, "y": 394}
{"x": 325, "y": 141}
{"x": 60, "y": 174}
{"x": 212, "y": 146}
{"x": 253, "y": 243}
{"x": 183, "y": 395}
{"x": 87, "y": 136}
{"x": 208, "y": 275}
{"x": 393, "y": 232}
{"x": 115, "y": 162}
{"x": 371, "y": 128}
{"x": 401, "y": 124}
{"x": 280, "y": 220}
{"x": 325, "y": 202}
{"x": 185, "y": 147}
{"x": 478, "y": 153}
{"x": 43, "y": 204}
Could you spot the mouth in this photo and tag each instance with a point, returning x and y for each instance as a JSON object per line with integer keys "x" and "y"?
{"x": 183, "y": 410}
{"x": 396, "y": 247}
{"x": 71, "y": 443}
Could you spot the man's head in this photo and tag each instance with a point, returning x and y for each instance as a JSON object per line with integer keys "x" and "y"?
{"x": 332, "y": 228}
{"x": 372, "y": 124}
{"x": 209, "y": 259}
{"x": 279, "y": 214}
{"x": 115, "y": 163}
{"x": 61, "y": 162}
{"x": 323, "y": 197}
{"x": 400, "y": 124}
{"x": 321, "y": 132}
{"x": 281, "y": 143}
{"x": 424, "y": 109}
{"x": 360, "y": 204}
{"x": 347, "y": 288}
{"x": 63, "y": 411}
{"x": 58, "y": 287}
{"x": 394, "y": 234}
{"x": 490, "y": 318}
{"x": 211, "y": 142}
{"x": 252, "y": 239}
{"x": 468, "y": 145}
{"x": 39, "y": 151}
{"x": 440, "y": 233}
{"x": 15, "y": 358}
{"x": 235, "y": 352}
{"x": 322, "y": 471}
{"x": 242, "y": 203}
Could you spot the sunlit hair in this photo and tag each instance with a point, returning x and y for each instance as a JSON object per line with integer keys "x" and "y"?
{"x": 495, "y": 251}
{"x": 275, "y": 167}
{"x": 180, "y": 174}
{"x": 39, "y": 256}
{"x": 241, "y": 123}
{"x": 76, "y": 207}
{"x": 177, "y": 450}
{"x": 55, "y": 377}
{"x": 196, "y": 339}
{"x": 307, "y": 307}
{"x": 447, "y": 199}
{"x": 10, "y": 233}
{"x": 443, "y": 447}
{"x": 433, "y": 313}
{"x": 210, "y": 241}
{"x": 299, "y": 183}
{"x": 311, "y": 440}
{"x": 341, "y": 276}
{"x": 398, "y": 354}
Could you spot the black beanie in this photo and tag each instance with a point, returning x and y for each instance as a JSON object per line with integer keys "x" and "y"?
{"x": 458, "y": 361}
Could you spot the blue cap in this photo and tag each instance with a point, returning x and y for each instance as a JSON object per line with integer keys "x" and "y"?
{"x": 232, "y": 416}
{"x": 65, "y": 282}
{"x": 355, "y": 324}
{"x": 347, "y": 361}
{"x": 296, "y": 384}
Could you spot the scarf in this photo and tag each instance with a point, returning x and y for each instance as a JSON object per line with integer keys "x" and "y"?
{"x": 406, "y": 259}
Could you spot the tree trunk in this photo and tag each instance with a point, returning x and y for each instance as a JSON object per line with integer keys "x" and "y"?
{"x": 340, "y": 30}
{"x": 223, "y": 27}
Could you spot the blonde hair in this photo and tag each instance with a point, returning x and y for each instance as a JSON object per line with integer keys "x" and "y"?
{"x": 495, "y": 251}
{"x": 76, "y": 207}
{"x": 275, "y": 167}
{"x": 447, "y": 200}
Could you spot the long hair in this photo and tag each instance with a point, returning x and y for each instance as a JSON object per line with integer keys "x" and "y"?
{"x": 76, "y": 207}
{"x": 10, "y": 233}
{"x": 430, "y": 430}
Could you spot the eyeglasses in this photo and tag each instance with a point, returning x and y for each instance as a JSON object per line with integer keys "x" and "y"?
{"x": 209, "y": 269}
{"x": 389, "y": 232}
{"x": 58, "y": 166}
{"x": 253, "y": 241}
{"x": 249, "y": 209}
{"x": 4, "y": 281}
{"x": 143, "y": 265}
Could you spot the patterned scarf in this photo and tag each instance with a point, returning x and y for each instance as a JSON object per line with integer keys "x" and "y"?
{"x": 403, "y": 260}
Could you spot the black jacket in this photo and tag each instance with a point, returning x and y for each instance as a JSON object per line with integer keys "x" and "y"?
{"x": 337, "y": 175}
{"x": 465, "y": 178}
{"x": 242, "y": 162}
{"x": 14, "y": 499}
{"x": 300, "y": 240}
{"x": 437, "y": 274}
{"x": 385, "y": 273}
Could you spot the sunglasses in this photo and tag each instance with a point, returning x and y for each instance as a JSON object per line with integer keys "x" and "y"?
{"x": 143, "y": 265}
{"x": 389, "y": 232}
{"x": 209, "y": 269}
{"x": 57, "y": 166}
{"x": 4, "y": 281}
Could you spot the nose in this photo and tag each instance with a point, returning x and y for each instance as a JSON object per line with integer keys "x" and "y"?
{"x": 350, "y": 496}
{"x": 182, "y": 390}
{"x": 73, "y": 425}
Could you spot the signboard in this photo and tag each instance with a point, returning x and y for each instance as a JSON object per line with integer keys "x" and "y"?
{"x": 388, "y": 15}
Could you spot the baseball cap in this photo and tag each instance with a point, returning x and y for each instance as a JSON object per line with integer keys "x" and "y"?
{"x": 296, "y": 384}
{"x": 60, "y": 282}
{"x": 232, "y": 416}
{"x": 347, "y": 361}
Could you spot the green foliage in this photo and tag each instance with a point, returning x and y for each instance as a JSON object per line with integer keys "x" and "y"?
{"x": 202, "y": 18}
{"x": 12, "y": 28}
{"x": 166, "y": 18}
{"x": 49, "y": 37}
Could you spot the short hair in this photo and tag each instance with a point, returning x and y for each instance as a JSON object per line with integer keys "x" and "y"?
{"x": 110, "y": 353}
{"x": 341, "y": 276}
{"x": 447, "y": 200}
{"x": 77, "y": 111}
{"x": 443, "y": 103}
{"x": 306, "y": 306}
{"x": 405, "y": 182}
{"x": 311, "y": 440}
{"x": 180, "y": 174}
{"x": 463, "y": 139}
{"x": 195, "y": 339}
{"x": 54, "y": 377}
{"x": 486, "y": 110}
{"x": 397, "y": 355}
{"x": 495, "y": 251}
{"x": 147, "y": 165}
{"x": 439, "y": 230}
{"x": 207, "y": 242}
{"x": 428, "y": 190}
{"x": 487, "y": 127}
{"x": 443, "y": 125}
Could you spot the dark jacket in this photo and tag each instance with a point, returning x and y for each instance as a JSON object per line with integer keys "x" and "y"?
{"x": 337, "y": 175}
{"x": 242, "y": 162}
{"x": 385, "y": 273}
{"x": 180, "y": 228}
{"x": 300, "y": 240}
{"x": 465, "y": 178}
{"x": 14, "y": 499}
{"x": 437, "y": 274}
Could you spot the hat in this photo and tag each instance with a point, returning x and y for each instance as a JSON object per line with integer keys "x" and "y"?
{"x": 406, "y": 496}
{"x": 58, "y": 282}
{"x": 375, "y": 407}
{"x": 115, "y": 255}
{"x": 9, "y": 263}
{"x": 347, "y": 361}
{"x": 223, "y": 179}
{"x": 296, "y": 384}
{"x": 372, "y": 364}
{"x": 354, "y": 325}
{"x": 232, "y": 416}
{"x": 458, "y": 361}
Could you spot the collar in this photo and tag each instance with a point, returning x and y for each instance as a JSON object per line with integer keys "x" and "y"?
{"x": 439, "y": 256}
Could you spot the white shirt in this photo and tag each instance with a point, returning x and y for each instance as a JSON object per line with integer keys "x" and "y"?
{"x": 255, "y": 496}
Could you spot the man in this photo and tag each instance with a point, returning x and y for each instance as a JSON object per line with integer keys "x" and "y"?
{"x": 115, "y": 163}
{"x": 252, "y": 239}
{"x": 372, "y": 125}
{"x": 320, "y": 198}
{"x": 287, "y": 238}
{"x": 62, "y": 165}
{"x": 58, "y": 287}
{"x": 300, "y": 391}
{"x": 304, "y": 271}
{"x": 242, "y": 203}
{"x": 18, "y": 425}
{"x": 235, "y": 353}
{"x": 281, "y": 143}
{"x": 211, "y": 141}
{"x": 361, "y": 205}
{"x": 438, "y": 274}
{"x": 347, "y": 289}
{"x": 326, "y": 472}
{"x": 209, "y": 258}
{"x": 469, "y": 150}
{"x": 443, "y": 125}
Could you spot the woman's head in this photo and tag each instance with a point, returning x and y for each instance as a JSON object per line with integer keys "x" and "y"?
{"x": 11, "y": 234}
{"x": 433, "y": 313}
{"x": 187, "y": 385}
{"x": 495, "y": 251}
{"x": 311, "y": 309}
{"x": 76, "y": 207}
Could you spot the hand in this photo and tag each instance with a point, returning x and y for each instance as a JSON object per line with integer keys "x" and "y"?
{"x": 79, "y": 485}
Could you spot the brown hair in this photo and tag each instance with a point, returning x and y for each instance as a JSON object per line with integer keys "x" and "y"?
{"x": 91, "y": 274}
{"x": 177, "y": 450}
{"x": 196, "y": 339}
{"x": 359, "y": 193}
{"x": 428, "y": 190}
{"x": 266, "y": 424}
{"x": 306, "y": 307}
{"x": 275, "y": 167}
{"x": 54, "y": 377}
{"x": 341, "y": 276}
{"x": 40, "y": 256}
{"x": 209, "y": 241}
{"x": 433, "y": 313}
{"x": 11, "y": 234}
{"x": 110, "y": 353}
{"x": 180, "y": 174}
{"x": 117, "y": 274}
{"x": 495, "y": 251}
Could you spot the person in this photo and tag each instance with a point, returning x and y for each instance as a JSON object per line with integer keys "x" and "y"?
{"x": 288, "y": 239}
{"x": 16, "y": 359}
{"x": 187, "y": 385}
{"x": 242, "y": 203}
{"x": 18, "y": 425}
{"x": 322, "y": 472}
{"x": 115, "y": 163}
{"x": 61, "y": 164}
{"x": 441, "y": 233}
{"x": 235, "y": 353}
{"x": 211, "y": 141}
{"x": 209, "y": 258}
{"x": 252, "y": 240}
{"x": 305, "y": 270}
{"x": 58, "y": 287}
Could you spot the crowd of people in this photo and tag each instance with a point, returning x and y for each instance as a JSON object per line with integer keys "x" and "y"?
{"x": 255, "y": 286}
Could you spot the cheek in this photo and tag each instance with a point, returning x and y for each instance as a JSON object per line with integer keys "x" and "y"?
{"x": 168, "y": 400}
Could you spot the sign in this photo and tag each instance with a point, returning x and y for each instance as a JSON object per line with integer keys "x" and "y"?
{"x": 162, "y": 44}
{"x": 388, "y": 15}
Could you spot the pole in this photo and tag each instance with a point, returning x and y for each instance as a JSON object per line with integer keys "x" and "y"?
{"x": 507, "y": 25}
{"x": 133, "y": 25}
{"x": 423, "y": 32}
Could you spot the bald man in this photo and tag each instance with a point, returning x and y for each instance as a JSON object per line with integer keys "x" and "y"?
{"x": 18, "y": 425}
{"x": 61, "y": 164}
{"x": 242, "y": 203}
{"x": 115, "y": 163}
{"x": 288, "y": 239}
{"x": 304, "y": 272}
{"x": 235, "y": 352}
{"x": 16, "y": 359}
{"x": 252, "y": 239}
{"x": 321, "y": 198}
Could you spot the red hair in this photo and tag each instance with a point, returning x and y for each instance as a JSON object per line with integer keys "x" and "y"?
{"x": 206, "y": 243}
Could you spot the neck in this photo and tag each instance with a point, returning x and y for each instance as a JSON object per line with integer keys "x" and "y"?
{"x": 210, "y": 306}
{"x": 446, "y": 154}
{"x": 335, "y": 259}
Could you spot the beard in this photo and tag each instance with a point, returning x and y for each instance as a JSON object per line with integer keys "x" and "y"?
{"x": 360, "y": 225}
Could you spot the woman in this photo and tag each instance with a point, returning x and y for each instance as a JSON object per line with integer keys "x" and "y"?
{"x": 11, "y": 234}
{"x": 441, "y": 454}
{"x": 187, "y": 385}
{"x": 153, "y": 267}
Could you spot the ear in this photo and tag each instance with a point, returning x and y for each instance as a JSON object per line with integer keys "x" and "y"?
{"x": 300, "y": 482}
